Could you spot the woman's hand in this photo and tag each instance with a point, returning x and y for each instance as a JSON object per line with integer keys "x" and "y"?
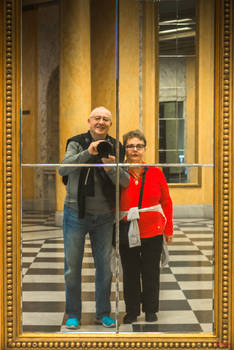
{"x": 168, "y": 239}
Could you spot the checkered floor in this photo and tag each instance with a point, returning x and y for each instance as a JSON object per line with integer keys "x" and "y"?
{"x": 186, "y": 288}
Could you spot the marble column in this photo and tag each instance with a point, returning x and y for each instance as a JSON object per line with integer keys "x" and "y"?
{"x": 75, "y": 78}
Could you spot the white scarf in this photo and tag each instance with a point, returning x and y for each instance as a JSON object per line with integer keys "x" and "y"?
{"x": 132, "y": 216}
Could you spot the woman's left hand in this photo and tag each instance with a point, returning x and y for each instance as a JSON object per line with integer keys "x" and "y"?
{"x": 168, "y": 239}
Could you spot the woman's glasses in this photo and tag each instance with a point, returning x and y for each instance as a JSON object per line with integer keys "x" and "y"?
{"x": 139, "y": 146}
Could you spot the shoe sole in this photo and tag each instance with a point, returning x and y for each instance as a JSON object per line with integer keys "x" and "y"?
{"x": 99, "y": 322}
{"x": 111, "y": 326}
{"x": 130, "y": 321}
{"x": 151, "y": 320}
{"x": 72, "y": 327}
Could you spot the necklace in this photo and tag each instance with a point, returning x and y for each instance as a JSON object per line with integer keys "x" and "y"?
{"x": 136, "y": 181}
{"x": 136, "y": 176}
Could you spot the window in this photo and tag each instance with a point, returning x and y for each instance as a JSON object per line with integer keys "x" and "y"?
{"x": 177, "y": 89}
{"x": 171, "y": 139}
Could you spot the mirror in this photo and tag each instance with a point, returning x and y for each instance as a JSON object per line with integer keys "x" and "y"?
{"x": 168, "y": 35}
{"x": 173, "y": 106}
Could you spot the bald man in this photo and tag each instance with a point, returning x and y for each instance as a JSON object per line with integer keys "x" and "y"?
{"x": 89, "y": 208}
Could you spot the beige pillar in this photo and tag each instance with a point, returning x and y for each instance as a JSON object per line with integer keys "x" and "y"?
{"x": 137, "y": 82}
{"x": 75, "y": 76}
{"x": 103, "y": 56}
{"x": 30, "y": 112}
{"x": 129, "y": 65}
{"x": 149, "y": 82}
{"x": 191, "y": 122}
{"x": 206, "y": 97}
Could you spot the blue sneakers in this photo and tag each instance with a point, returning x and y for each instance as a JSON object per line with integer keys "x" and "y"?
{"x": 107, "y": 322}
{"x": 72, "y": 323}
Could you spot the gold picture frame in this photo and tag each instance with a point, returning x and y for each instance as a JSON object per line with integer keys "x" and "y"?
{"x": 10, "y": 254}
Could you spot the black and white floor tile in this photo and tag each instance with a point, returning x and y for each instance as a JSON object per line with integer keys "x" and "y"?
{"x": 186, "y": 288}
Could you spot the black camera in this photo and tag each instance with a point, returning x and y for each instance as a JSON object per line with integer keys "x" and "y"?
{"x": 104, "y": 148}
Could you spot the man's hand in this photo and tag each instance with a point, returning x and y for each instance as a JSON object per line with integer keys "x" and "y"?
{"x": 109, "y": 160}
{"x": 93, "y": 147}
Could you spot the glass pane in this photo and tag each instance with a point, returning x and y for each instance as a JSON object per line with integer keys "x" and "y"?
{"x": 43, "y": 298}
{"x": 63, "y": 67}
{"x": 177, "y": 9}
{"x": 177, "y": 39}
{"x": 171, "y": 137}
{"x": 170, "y": 124}
{"x": 43, "y": 285}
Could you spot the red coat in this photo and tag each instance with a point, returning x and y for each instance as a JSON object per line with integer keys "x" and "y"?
{"x": 155, "y": 192}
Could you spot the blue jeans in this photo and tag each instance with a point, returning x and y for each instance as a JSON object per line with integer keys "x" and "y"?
{"x": 100, "y": 228}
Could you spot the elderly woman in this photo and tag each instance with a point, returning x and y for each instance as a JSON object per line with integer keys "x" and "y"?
{"x": 141, "y": 251}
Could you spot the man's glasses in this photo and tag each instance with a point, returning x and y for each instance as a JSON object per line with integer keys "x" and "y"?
{"x": 98, "y": 119}
{"x": 138, "y": 146}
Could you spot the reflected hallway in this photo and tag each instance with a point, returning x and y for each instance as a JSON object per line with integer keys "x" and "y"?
{"x": 186, "y": 288}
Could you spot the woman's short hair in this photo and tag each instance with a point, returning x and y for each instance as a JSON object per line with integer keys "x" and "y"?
{"x": 134, "y": 133}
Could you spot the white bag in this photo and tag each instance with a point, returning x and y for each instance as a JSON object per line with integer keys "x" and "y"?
{"x": 164, "y": 255}
{"x": 113, "y": 263}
